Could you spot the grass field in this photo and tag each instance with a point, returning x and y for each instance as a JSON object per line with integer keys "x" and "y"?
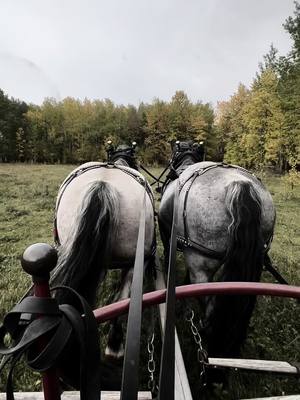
{"x": 28, "y": 195}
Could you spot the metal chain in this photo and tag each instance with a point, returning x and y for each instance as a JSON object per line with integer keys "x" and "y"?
{"x": 151, "y": 365}
{"x": 202, "y": 355}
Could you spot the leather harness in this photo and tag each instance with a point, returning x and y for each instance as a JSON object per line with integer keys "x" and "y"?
{"x": 33, "y": 318}
{"x": 184, "y": 241}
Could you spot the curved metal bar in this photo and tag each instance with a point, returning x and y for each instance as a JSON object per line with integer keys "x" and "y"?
{"x": 114, "y": 310}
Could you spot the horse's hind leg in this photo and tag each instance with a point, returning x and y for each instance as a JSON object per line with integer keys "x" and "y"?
{"x": 201, "y": 270}
{"x": 115, "y": 347}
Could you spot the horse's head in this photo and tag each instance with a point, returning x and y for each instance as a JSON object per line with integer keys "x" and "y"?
{"x": 186, "y": 153}
{"x": 122, "y": 154}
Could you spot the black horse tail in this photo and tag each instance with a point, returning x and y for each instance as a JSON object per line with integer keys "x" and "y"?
{"x": 230, "y": 315}
{"x": 84, "y": 257}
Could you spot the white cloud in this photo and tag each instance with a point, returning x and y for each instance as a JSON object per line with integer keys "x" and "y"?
{"x": 131, "y": 51}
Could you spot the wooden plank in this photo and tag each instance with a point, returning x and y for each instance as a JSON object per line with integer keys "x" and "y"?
{"x": 292, "y": 397}
{"x": 258, "y": 365}
{"x": 182, "y": 387}
{"x": 73, "y": 396}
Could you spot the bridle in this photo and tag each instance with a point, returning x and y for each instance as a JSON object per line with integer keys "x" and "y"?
{"x": 122, "y": 152}
{"x": 182, "y": 151}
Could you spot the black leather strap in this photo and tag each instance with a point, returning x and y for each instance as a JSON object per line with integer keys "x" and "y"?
{"x": 270, "y": 268}
{"x": 167, "y": 365}
{"x": 34, "y": 317}
{"x": 129, "y": 389}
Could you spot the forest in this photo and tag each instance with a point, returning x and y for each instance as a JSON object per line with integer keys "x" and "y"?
{"x": 257, "y": 127}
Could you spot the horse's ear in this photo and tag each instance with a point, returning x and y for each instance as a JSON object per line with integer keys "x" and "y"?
{"x": 109, "y": 145}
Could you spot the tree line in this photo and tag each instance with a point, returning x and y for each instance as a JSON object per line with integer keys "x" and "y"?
{"x": 74, "y": 131}
{"x": 257, "y": 127}
{"x": 261, "y": 125}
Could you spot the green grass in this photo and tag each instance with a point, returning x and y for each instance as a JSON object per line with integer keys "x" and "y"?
{"x": 27, "y": 199}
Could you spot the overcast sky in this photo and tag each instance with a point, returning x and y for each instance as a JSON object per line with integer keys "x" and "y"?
{"x": 134, "y": 50}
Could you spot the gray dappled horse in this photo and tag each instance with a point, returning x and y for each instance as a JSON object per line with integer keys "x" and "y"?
{"x": 226, "y": 220}
{"x": 97, "y": 219}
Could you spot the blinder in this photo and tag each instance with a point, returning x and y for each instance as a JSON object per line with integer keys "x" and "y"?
{"x": 181, "y": 150}
{"x": 127, "y": 153}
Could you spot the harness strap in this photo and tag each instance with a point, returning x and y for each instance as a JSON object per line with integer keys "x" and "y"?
{"x": 167, "y": 368}
{"x": 273, "y": 271}
{"x": 183, "y": 242}
{"x": 186, "y": 241}
{"x": 129, "y": 388}
{"x": 156, "y": 180}
{"x": 31, "y": 319}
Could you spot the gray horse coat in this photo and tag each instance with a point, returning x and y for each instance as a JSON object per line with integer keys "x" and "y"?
{"x": 128, "y": 193}
{"x": 228, "y": 217}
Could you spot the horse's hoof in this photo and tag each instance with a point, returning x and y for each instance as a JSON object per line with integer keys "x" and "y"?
{"x": 110, "y": 353}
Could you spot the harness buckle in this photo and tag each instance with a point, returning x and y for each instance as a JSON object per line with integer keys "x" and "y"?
{"x": 182, "y": 241}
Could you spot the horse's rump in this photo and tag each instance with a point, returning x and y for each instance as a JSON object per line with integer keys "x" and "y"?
{"x": 206, "y": 205}
{"x": 130, "y": 192}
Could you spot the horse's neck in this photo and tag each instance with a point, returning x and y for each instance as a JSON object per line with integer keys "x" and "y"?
{"x": 121, "y": 161}
{"x": 186, "y": 162}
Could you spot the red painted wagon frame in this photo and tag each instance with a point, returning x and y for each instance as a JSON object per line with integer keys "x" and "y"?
{"x": 114, "y": 310}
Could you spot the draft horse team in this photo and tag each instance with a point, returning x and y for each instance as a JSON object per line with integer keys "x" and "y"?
{"x": 225, "y": 224}
{"x": 226, "y": 220}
